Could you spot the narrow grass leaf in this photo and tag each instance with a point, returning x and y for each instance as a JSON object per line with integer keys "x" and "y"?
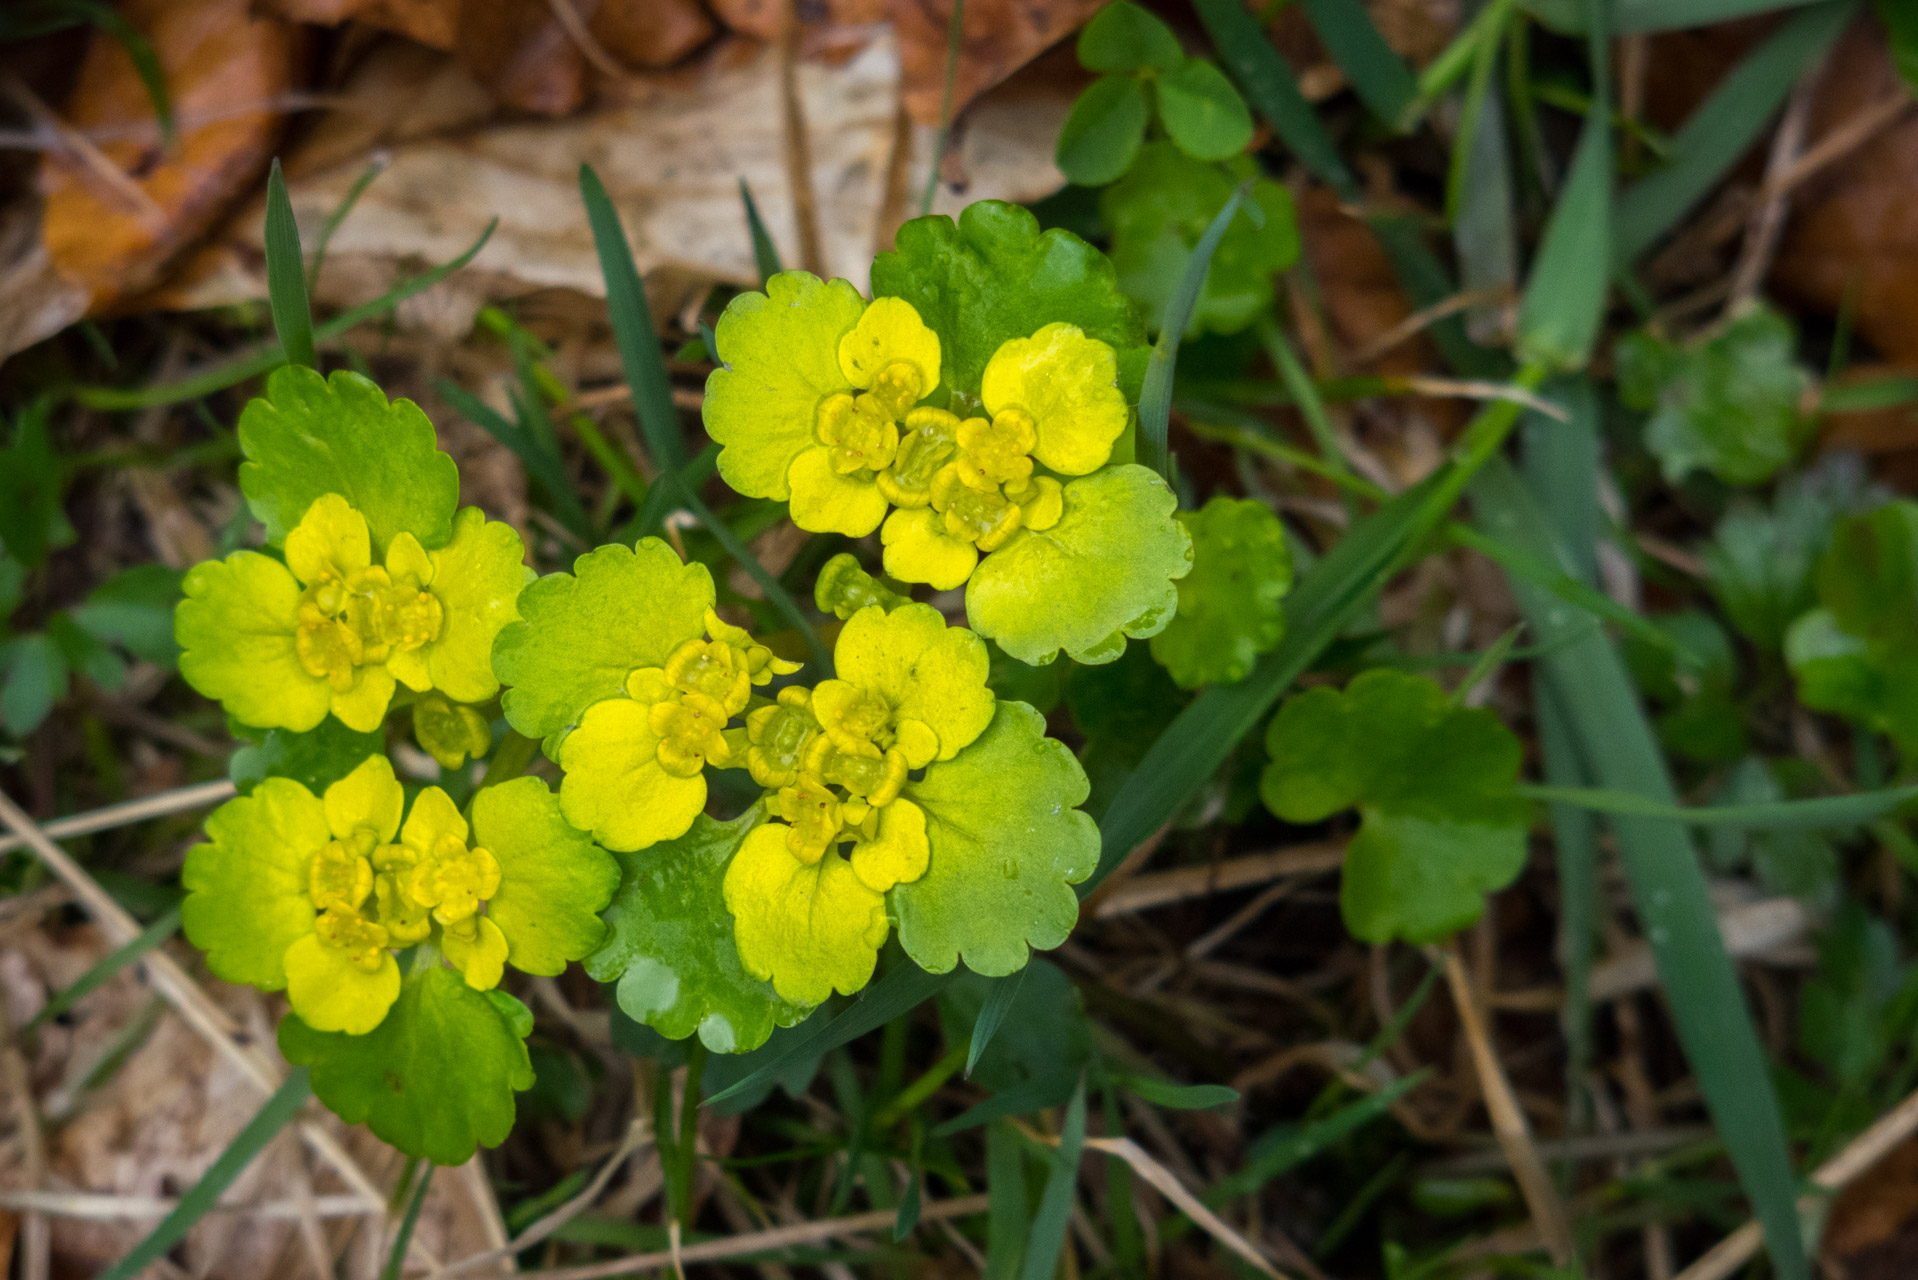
{"x": 1049, "y": 1224}
{"x": 1024, "y": 1098}
{"x": 1272, "y": 87}
{"x": 1288, "y": 1146}
{"x": 1667, "y": 883}
{"x": 108, "y": 965}
{"x": 909, "y": 1206}
{"x": 1564, "y": 302}
{"x": 1008, "y": 1215}
{"x": 396, "y": 1257}
{"x": 1180, "y": 1097}
{"x": 374, "y": 167}
{"x": 1639, "y": 17}
{"x": 1379, "y": 76}
{"x": 1822, "y": 812}
{"x": 543, "y": 464}
{"x": 1155, "y": 400}
{"x": 1724, "y": 127}
{"x": 194, "y": 1205}
{"x": 268, "y": 356}
{"x": 633, "y": 331}
{"x": 1567, "y": 588}
{"x": 765, "y": 252}
{"x": 286, "y": 276}
{"x": 992, "y": 1014}
{"x": 904, "y": 987}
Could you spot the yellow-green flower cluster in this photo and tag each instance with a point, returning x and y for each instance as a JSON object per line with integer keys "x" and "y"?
{"x": 837, "y": 405}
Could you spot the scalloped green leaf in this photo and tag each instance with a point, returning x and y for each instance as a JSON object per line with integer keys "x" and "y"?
{"x": 310, "y": 436}
{"x": 315, "y": 759}
{"x": 1433, "y": 782}
{"x": 1857, "y": 654}
{"x": 1231, "y": 606}
{"x": 993, "y": 276}
{"x": 1008, "y": 843}
{"x": 1158, "y": 212}
{"x": 670, "y": 944}
{"x": 581, "y": 634}
{"x": 553, "y": 879}
{"x": 1104, "y": 572}
{"x": 436, "y": 1078}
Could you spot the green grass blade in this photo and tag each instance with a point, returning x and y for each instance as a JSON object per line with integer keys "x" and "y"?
{"x": 1155, "y": 400}
{"x": 1380, "y": 77}
{"x": 992, "y": 1014}
{"x": 1637, "y": 17}
{"x": 262, "y": 359}
{"x": 1564, "y": 302}
{"x": 1287, "y": 1147}
{"x": 286, "y": 276}
{"x": 1049, "y": 1224}
{"x": 765, "y": 252}
{"x": 901, "y": 990}
{"x": 541, "y": 461}
{"x": 1724, "y": 127}
{"x": 108, "y": 965}
{"x": 1008, "y": 1216}
{"x": 1272, "y": 88}
{"x": 1667, "y": 883}
{"x": 775, "y": 591}
{"x": 396, "y": 1257}
{"x": 374, "y": 168}
{"x": 1822, "y": 812}
{"x": 1024, "y": 1098}
{"x": 633, "y": 331}
{"x": 1516, "y": 562}
{"x": 260, "y": 1130}
{"x": 537, "y": 424}
{"x": 146, "y": 62}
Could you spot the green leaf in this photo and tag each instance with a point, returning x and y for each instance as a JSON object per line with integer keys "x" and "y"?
{"x": 1125, "y": 37}
{"x": 247, "y": 888}
{"x": 1157, "y": 214}
{"x": 670, "y": 946}
{"x": 1727, "y": 404}
{"x": 1056, "y": 1202}
{"x": 1007, "y": 843}
{"x": 1759, "y": 563}
{"x": 1043, "y": 1030}
{"x": 553, "y": 879}
{"x": 436, "y": 1078}
{"x": 993, "y": 276}
{"x": 32, "y": 522}
{"x": 13, "y": 585}
{"x": 1203, "y": 112}
{"x": 1119, "y": 708}
{"x": 311, "y": 436}
{"x": 1103, "y": 573}
{"x": 1379, "y": 76}
{"x": 134, "y": 609}
{"x": 1273, "y": 87}
{"x": 1103, "y": 131}
{"x": 1434, "y": 782}
{"x": 1230, "y": 608}
{"x": 315, "y": 759}
{"x": 1857, "y": 654}
{"x": 286, "y": 275}
{"x": 1694, "y": 680}
{"x": 581, "y": 634}
{"x": 36, "y": 678}
{"x": 1179, "y": 1097}
{"x": 1901, "y": 28}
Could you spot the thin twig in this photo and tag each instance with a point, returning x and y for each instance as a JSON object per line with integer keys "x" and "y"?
{"x": 763, "y": 1241}
{"x": 179, "y": 800}
{"x": 100, "y": 1207}
{"x": 1410, "y": 327}
{"x": 1164, "y": 887}
{"x": 1767, "y": 219}
{"x": 92, "y": 160}
{"x": 1860, "y": 1154}
{"x": 37, "y": 1243}
{"x": 1419, "y": 384}
{"x": 1508, "y": 1120}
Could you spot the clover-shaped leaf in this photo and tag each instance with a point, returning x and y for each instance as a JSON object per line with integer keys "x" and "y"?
{"x": 1124, "y": 36}
{"x": 1759, "y": 562}
{"x": 1727, "y": 403}
{"x": 312, "y": 436}
{"x": 670, "y": 944}
{"x": 1857, "y": 654}
{"x": 1433, "y": 782}
{"x": 315, "y": 759}
{"x": 1161, "y": 208}
{"x": 1230, "y": 605}
{"x": 1102, "y": 132}
{"x": 436, "y": 1078}
{"x": 1203, "y": 112}
{"x": 582, "y": 633}
{"x": 1105, "y": 571}
{"x": 1008, "y": 843}
{"x": 993, "y": 276}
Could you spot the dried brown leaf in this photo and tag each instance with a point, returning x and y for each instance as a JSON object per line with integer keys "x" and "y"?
{"x": 999, "y": 37}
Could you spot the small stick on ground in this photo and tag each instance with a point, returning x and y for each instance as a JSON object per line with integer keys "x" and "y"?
{"x": 1508, "y": 1120}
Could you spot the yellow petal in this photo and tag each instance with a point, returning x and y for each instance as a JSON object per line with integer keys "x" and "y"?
{"x": 405, "y": 555}
{"x": 614, "y": 786}
{"x": 331, "y": 993}
{"x": 812, "y": 929}
{"x": 434, "y": 816}
{"x": 482, "y": 957}
{"x": 236, "y": 631}
{"x": 900, "y": 853}
{"x": 924, "y": 671}
{"x": 331, "y": 539}
{"x": 363, "y": 706}
{"x": 918, "y": 549}
{"x": 824, "y": 501}
{"x": 1069, "y": 383}
{"x": 890, "y": 332}
{"x": 408, "y": 666}
{"x": 369, "y": 797}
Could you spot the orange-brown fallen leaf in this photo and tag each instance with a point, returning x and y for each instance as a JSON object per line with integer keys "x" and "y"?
{"x": 999, "y": 37}
{"x": 431, "y": 22}
{"x": 226, "y": 70}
